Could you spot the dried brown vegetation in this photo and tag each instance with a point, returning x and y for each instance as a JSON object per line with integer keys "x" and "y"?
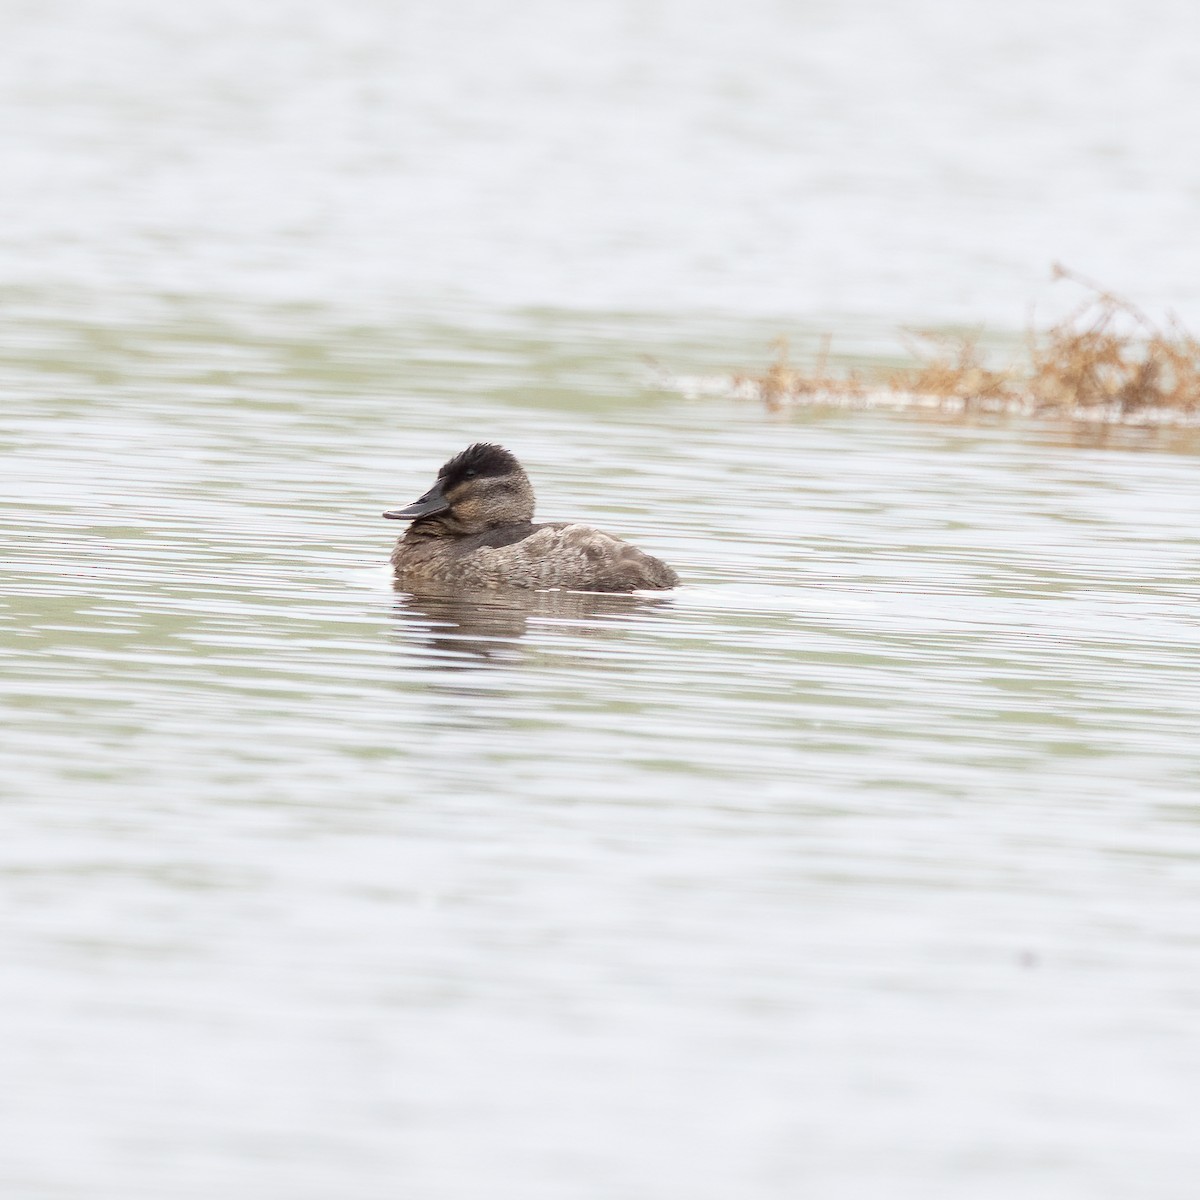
{"x": 1106, "y": 361}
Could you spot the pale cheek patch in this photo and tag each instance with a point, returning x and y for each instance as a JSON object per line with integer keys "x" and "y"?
{"x": 468, "y": 511}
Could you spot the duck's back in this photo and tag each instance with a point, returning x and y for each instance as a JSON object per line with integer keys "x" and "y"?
{"x": 554, "y": 555}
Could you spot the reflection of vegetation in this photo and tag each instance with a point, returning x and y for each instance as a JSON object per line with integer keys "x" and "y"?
{"x": 1106, "y": 361}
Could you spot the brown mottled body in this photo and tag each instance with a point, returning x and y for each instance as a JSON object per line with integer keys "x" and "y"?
{"x": 557, "y": 555}
{"x": 473, "y": 531}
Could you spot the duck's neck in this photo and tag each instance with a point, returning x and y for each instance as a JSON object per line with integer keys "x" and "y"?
{"x": 431, "y": 527}
{"x": 444, "y": 525}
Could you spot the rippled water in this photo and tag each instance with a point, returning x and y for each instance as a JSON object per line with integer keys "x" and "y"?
{"x": 911, "y": 159}
{"x": 865, "y": 864}
{"x": 869, "y": 856}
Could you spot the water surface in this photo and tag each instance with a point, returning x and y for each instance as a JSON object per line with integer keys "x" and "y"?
{"x": 866, "y": 864}
{"x": 868, "y": 858}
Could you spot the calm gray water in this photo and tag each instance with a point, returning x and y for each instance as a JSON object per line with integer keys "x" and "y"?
{"x": 865, "y": 865}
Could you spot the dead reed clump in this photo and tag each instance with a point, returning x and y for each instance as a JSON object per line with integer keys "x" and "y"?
{"x": 1108, "y": 356}
{"x": 1105, "y": 361}
{"x": 781, "y": 382}
{"x": 953, "y": 370}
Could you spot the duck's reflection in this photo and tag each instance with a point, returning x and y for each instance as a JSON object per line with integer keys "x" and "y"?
{"x": 488, "y": 626}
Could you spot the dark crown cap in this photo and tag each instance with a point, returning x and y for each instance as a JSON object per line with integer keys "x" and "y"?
{"x": 483, "y": 458}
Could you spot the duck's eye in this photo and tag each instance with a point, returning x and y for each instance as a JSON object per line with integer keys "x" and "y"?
{"x": 470, "y": 473}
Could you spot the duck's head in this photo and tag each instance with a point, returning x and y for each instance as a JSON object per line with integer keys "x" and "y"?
{"x": 482, "y": 488}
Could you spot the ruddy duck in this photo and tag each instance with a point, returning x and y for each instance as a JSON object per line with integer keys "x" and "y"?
{"x": 474, "y": 530}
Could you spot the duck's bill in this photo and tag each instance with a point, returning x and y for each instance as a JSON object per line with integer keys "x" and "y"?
{"x": 429, "y": 505}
